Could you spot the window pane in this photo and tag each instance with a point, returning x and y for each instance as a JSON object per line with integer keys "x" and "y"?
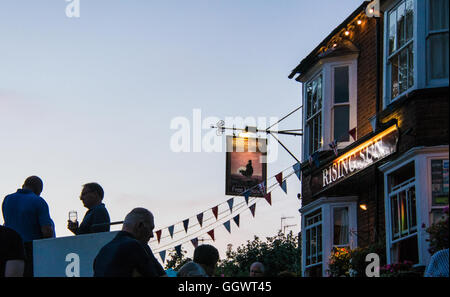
{"x": 410, "y": 66}
{"x": 401, "y": 175}
{"x": 410, "y": 18}
{"x": 403, "y": 214}
{"x": 308, "y": 249}
{"x": 401, "y": 20}
{"x": 319, "y": 242}
{"x": 392, "y": 31}
{"x": 340, "y": 217}
{"x": 402, "y": 71}
{"x": 437, "y": 45}
{"x": 438, "y": 16}
{"x": 341, "y": 93}
{"x": 412, "y": 207}
{"x": 394, "y": 77}
{"x": 341, "y": 123}
{"x": 394, "y": 216}
{"x": 439, "y": 182}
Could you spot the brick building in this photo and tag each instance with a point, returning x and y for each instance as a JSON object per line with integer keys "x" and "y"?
{"x": 377, "y": 88}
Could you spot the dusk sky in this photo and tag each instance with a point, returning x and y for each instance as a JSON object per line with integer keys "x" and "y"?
{"x": 91, "y": 99}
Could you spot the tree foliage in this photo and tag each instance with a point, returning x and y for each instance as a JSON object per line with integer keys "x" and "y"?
{"x": 278, "y": 254}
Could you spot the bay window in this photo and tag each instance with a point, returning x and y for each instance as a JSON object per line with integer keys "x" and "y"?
{"x": 330, "y": 104}
{"x": 416, "y": 192}
{"x": 415, "y": 46}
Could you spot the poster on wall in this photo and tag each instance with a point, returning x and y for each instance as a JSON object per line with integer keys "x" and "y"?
{"x": 246, "y": 166}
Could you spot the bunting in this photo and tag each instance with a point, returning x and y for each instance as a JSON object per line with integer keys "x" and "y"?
{"x": 268, "y": 197}
{"x": 246, "y": 195}
{"x": 195, "y": 242}
{"x": 262, "y": 187}
{"x": 178, "y": 250}
{"x": 253, "y": 208}
{"x": 200, "y": 219}
{"x": 162, "y": 254}
{"x": 314, "y": 158}
{"x": 211, "y": 233}
{"x": 236, "y": 220}
{"x": 333, "y": 146}
{"x": 158, "y": 236}
{"x": 171, "y": 230}
{"x": 215, "y": 211}
{"x": 230, "y": 204}
{"x": 185, "y": 224}
{"x": 279, "y": 178}
{"x": 296, "y": 168}
{"x": 352, "y": 133}
{"x": 284, "y": 186}
{"x": 227, "y": 226}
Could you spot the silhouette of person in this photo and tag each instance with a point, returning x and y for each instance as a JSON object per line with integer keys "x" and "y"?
{"x": 256, "y": 269}
{"x": 204, "y": 263}
{"x": 96, "y": 218}
{"x": 28, "y": 214}
{"x": 128, "y": 254}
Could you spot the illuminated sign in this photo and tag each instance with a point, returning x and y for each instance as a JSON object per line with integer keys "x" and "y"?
{"x": 362, "y": 156}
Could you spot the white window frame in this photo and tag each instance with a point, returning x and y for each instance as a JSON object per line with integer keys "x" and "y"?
{"x": 307, "y": 119}
{"x": 326, "y": 206}
{"x": 326, "y": 67}
{"x": 420, "y": 27}
{"x": 428, "y": 33}
{"x": 421, "y": 156}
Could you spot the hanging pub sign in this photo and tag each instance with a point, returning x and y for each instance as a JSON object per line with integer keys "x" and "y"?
{"x": 360, "y": 157}
{"x": 246, "y": 166}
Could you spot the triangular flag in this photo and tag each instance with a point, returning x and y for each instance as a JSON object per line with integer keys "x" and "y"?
{"x": 284, "y": 186}
{"x": 297, "y": 167}
{"x": 227, "y": 226}
{"x": 185, "y": 224}
{"x": 352, "y": 133}
{"x": 236, "y": 220}
{"x": 195, "y": 242}
{"x": 230, "y": 204}
{"x": 211, "y": 233}
{"x": 200, "y": 218}
{"x": 215, "y": 210}
{"x": 279, "y": 177}
{"x": 268, "y": 198}
{"x": 158, "y": 235}
{"x": 262, "y": 188}
{"x": 171, "y": 230}
{"x": 253, "y": 208}
{"x": 162, "y": 254}
{"x": 178, "y": 250}
{"x": 246, "y": 195}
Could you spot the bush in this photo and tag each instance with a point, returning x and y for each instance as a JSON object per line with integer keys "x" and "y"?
{"x": 439, "y": 234}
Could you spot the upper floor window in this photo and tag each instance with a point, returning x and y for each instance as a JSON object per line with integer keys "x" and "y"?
{"x": 437, "y": 40}
{"x": 314, "y": 113}
{"x": 416, "y": 46}
{"x": 330, "y": 97}
{"x": 400, "y": 61}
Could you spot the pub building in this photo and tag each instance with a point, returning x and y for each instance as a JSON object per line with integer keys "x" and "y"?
{"x": 375, "y": 119}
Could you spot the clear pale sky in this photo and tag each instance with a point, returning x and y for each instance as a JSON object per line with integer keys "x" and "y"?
{"x": 92, "y": 98}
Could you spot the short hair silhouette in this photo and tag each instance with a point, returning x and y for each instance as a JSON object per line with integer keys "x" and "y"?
{"x": 206, "y": 254}
{"x": 95, "y": 187}
{"x": 34, "y": 183}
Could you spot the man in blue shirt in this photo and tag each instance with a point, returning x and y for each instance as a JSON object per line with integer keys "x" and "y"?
{"x": 28, "y": 214}
{"x": 96, "y": 218}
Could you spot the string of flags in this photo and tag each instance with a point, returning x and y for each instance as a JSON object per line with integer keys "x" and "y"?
{"x": 215, "y": 211}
